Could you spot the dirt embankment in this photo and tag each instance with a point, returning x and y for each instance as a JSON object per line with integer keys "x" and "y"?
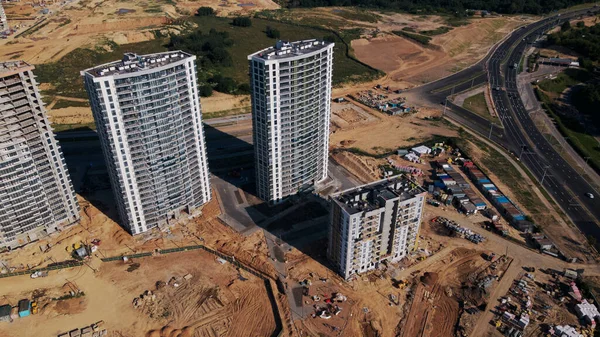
{"x": 410, "y": 63}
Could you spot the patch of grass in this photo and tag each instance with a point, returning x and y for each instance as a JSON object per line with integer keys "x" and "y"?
{"x": 224, "y": 113}
{"x": 567, "y": 78}
{"x": 64, "y": 74}
{"x": 357, "y": 15}
{"x": 248, "y": 40}
{"x": 63, "y": 103}
{"x": 478, "y": 105}
{"x": 422, "y": 39}
{"x": 70, "y": 127}
{"x": 438, "y": 31}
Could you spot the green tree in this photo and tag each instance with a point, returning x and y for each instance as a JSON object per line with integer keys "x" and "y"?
{"x": 205, "y": 90}
{"x": 580, "y": 24}
{"x": 205, "y": 11}
{"x": 242, "y": 21}
{"x": 565, "y": 26}
{"x": 272, "y": 33}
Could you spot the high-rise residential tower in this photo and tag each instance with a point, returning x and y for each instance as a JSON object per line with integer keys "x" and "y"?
{"x": 374, "y": 223}
{"x": 36, "y": 194}
{"x": 3, "y": 20}
{"x": 148, "y": 118}
{"x": 291, "y": 107}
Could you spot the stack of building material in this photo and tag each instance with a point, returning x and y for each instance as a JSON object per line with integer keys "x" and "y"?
{"x": 588, "y": 312}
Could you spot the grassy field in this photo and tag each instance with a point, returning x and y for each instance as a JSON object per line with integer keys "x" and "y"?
{"x": 422, "y": 39}
{"x": 478, "y": 105}
{"x": 64, "y": 74}
{"x": 62, "y": 103}
{"x": 247, "y": 40}
{"x": 66, "y": 81}
{"x": 564, "y": 80}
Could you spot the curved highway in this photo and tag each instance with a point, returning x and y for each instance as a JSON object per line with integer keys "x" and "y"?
{"x": 565, "y": 184}
{"x": 519, "y": 132}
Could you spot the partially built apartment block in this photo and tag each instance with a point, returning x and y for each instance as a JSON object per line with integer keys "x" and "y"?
{"x": 36, "y": 194}
{"x": 374, "y": 223}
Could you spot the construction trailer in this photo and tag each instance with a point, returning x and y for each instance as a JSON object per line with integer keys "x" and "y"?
{"x": 24, "y": 308}
{"x": 5, "y": 313}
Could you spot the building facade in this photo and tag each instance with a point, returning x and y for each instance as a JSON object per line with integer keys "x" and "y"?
{"x": 291, "y": 108}
{"x": 148, "y": 117}
{"x": 3, "y": 20}
{"x": 374, "y": 223}
{"x": 36, "y": 194}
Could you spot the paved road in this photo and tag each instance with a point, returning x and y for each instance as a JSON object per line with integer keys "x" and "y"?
{"x": 564, "y": 183}
{"x": 498, "y": 69}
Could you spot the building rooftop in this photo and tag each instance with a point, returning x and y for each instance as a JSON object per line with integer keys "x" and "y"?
{"x": 12, "y": 67}
{"x": 133, "y": 62}
{"x": 372, "y": 196}
{"x": 284, "y": 49}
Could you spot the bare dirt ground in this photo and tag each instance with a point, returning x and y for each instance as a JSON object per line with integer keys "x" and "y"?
{"x": 409, "y": 63}
{"x": 218, "y": 301}
{"x": 390, "y": 132}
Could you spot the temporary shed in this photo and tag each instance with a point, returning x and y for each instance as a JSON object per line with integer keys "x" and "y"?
{"x": 24, "y": 308}
{"x": 421, "y": 150}
{"x": 5, "y": 313}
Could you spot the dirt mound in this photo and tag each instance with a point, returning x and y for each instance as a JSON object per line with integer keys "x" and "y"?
{"x": 153, "y": 333}
{"x": 429, "y": 279}
{"x": 70, "y": 306}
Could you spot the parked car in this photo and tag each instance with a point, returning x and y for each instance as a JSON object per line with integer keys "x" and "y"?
{"x": 589, "y": 195}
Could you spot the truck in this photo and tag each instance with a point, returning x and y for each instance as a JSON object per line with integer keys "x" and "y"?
{"x": 489, "y": 256}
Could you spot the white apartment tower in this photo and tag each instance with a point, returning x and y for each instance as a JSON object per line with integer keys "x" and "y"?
{"x": 374, "y": 223}
{"x": 3, "y": 21}
{"x": 36, "y": 194}
{"x": 148, "y": 118}
{"x": 291, "y": 107}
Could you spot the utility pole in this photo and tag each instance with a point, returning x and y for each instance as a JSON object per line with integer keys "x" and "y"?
{"x": 472, "y": 82}
{"x": 491, "y": 128}
{"x": 522, "y": 150}
{"x": 544, "y": 176}
{"x": 586, "y": 159}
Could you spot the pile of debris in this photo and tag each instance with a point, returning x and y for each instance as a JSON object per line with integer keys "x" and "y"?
{"x": 330, "y": 307}
{"x": 459, "y": 230}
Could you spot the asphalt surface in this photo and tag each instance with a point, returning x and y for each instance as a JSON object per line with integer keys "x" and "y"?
{"x": 559, "y": 179}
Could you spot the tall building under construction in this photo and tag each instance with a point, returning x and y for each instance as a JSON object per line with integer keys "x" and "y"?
{"x": 3, "y": 21}
{"x": 291, "y": 109}
{"x": 148, "y": 119}
{"x": 36, "y": 194}
{"x": 374, "y": 223}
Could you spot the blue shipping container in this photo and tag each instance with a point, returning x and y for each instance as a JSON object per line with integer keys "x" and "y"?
{"x": 439, "y": 184}
{"x": 484, "y": 181}
{"x": 502, "y": 200}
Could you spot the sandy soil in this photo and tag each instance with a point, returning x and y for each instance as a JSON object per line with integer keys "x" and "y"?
{"x": 226, "y": 7}
{"x": 223, "y": 102}
{"x": 109, "y": 293}
{"x": 390, "y": 132}
{"x": 407, "y": 61}
{"x": 71, "y": 115}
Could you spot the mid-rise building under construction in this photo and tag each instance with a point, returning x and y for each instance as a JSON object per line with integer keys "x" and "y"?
{"x": 374, "y": 223}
